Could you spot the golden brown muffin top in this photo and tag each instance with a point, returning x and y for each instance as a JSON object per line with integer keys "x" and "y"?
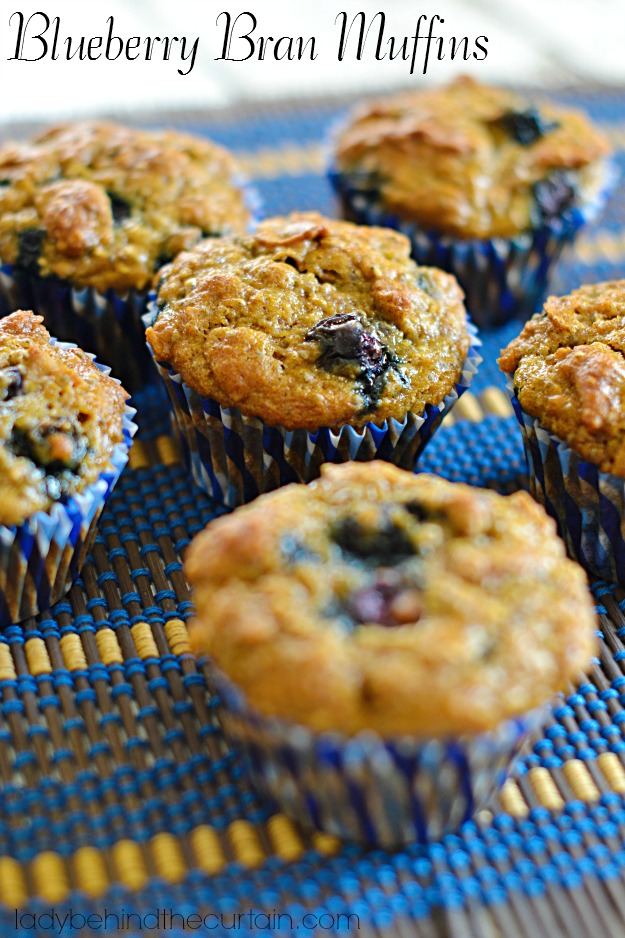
{"x": 568, "y": 365}
{"x": 311, "y": 322}
{"x": 102, "y": 205}
{"x": 471, "y": 160}
{"x": 60, "y": 419}
{"x": 378, "y": 599}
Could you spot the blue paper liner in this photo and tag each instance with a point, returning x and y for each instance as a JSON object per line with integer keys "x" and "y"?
{"x": 588, "y": 505}
{"x": 502, "y": 278}
{"x": 366, "y": 788}
{"x": 234, "y": 457}
{"x": 40, "y": 558}
{"x": 108, "y": 324}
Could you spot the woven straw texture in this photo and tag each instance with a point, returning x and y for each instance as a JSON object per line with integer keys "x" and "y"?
{"x": 118, "y": 791}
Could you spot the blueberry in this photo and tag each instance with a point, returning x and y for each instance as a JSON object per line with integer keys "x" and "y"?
{"x": 38, "y": 446}
{"x": 368, "y": 604}
{"x": 30, "y": 242}
{"x": 420, "y": 512}
{"x": 386, "y": 544}
{"x": 526, "y": 127}
{"x": 120, "y": 207}
{"x": 12, "y": 380}
{"x": 387, "y": 601}
{"x": 553, "y": 195}
{"x": 4, "y": 183}
{"x": 343, "y": 341}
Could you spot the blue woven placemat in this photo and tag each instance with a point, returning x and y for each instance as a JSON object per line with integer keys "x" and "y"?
{"x": 119, "y": 795}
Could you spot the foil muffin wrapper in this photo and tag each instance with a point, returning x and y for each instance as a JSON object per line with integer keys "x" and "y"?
{"x": 502, "y": 278}
{"x": 40, "y": 558}
{"x": 234, "y": 457}
{"x": 587, "y": 504}
{"x": 366, "y": 788}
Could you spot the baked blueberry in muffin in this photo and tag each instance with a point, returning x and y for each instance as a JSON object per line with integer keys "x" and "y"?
{"x": 310, "y": 322}
{"x": 364, "y": 634}
{"x": 60, "y": 419}
{"x": 101, "y": 205}
{"x": 486, "y": 183}
{"x": 377, "y": 599}
{"x": 471, "y": 160}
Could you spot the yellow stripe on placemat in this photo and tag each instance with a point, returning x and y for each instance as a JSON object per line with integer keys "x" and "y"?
{"x": 512, "y": 801}
{"x": 545, "y": 788}
{"x": 283, "y": 161}
{"x": 205, "y": 848}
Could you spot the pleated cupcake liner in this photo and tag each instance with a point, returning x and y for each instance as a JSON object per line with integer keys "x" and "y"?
{"x": 40, "y": 558}
{"x": 108, "y": 324}
{"x": 234, "y": 457}
{"x": 503, "y": 278}
{"x": 377, "y": 791}
{"x": 588, "y": 505}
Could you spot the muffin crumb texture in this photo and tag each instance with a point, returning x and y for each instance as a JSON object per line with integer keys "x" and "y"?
{"x": 377, "y": 599}
{"x": 60, "y": 418}
{"x": 471, "y": 160}
{"x": 568, "y": 367}
{"x": 311, "y": 322}
{"x": 104, "y": 206}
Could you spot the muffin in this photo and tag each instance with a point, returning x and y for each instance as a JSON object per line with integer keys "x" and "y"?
{"x": 88, "y": 213}
{"x": 65, "y": 432}
{"x": 309, "y": 340}
{"x": 365, "y": 632}
{"x": 484, "y": 183}
{"x": 567, "y": 383}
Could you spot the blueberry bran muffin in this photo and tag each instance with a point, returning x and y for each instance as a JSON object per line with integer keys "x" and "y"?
{"x": 568, "y": 370}
{"x": 470, "y": 160}
{"x": 103, "y": 206}
{"x": 310, "y": 322}
{"x": 377, "y": 599}
{"x": 60, "y": 419}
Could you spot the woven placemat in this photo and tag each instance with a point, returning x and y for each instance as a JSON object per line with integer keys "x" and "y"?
{"x": 121, "y": 800}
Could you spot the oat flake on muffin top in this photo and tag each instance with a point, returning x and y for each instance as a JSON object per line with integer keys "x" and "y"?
{"x": 311, "y": 322}
{"x": 103, "y": 206}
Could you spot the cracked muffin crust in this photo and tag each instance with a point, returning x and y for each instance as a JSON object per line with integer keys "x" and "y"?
{"x": 104, "y": 206}
{"x": 568, "y": 368}
{"x": 470, "y": 160}
{"x": 60, "y": 419}
{"x": 377, "y": 599}
{"x": 310, "y": 322}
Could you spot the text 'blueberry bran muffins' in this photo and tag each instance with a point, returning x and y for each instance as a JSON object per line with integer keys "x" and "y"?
{"x": 310, "y": 322}
{"x": 471, "y": 160}
{"x": 60, "y": 419}
{"x": 373, "y": 599}
{"x": 101, "y": 205}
